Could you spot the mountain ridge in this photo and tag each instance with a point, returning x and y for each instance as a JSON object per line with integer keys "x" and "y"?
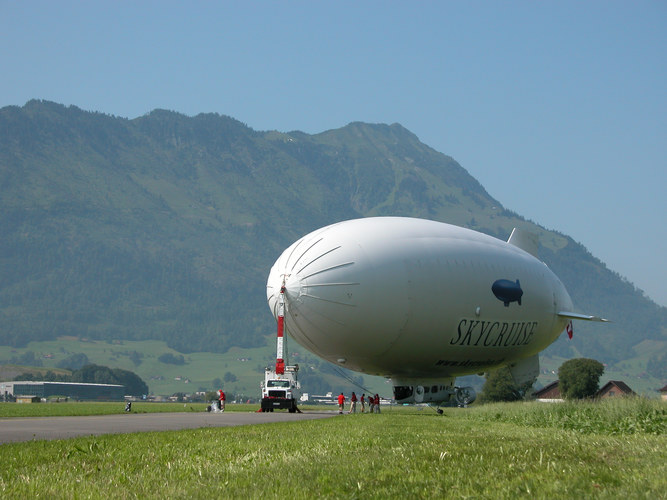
{"x": 164, "y": 226}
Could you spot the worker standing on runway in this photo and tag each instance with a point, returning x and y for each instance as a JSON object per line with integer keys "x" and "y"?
{"x": 341, "y": 403}
{"x": 353, "y": 403}
{"x": 221, "y": 400}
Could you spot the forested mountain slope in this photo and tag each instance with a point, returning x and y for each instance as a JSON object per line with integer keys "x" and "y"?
{"x": 165, "y": 226}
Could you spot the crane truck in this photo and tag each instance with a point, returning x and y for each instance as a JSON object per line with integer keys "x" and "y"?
{"x": 280, "y": 387}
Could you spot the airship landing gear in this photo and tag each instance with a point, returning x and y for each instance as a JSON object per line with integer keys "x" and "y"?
{"x": 436, "y": 409}
{"x": 464, "y": 396}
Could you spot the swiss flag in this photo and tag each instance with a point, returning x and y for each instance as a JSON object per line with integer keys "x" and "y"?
{"x": 569, "y": 329}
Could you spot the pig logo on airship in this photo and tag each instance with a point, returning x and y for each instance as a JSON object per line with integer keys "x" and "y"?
{"x": 507, "y": 291}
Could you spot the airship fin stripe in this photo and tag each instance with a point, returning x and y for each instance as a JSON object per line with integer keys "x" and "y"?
{"x": 525, "y": 240}
{"x": 296, "y": 261}
{"x": 585, "y": 317}
{"x": 317, "y": 258}
{"x": 319, "y": 271}
{"x": 311, "y": 285}
{"x": 328, "y": 300}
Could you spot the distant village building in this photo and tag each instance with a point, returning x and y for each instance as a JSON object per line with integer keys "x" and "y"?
{"x": 327, "y": 399}
{"x": 663, "y": 393}
{"x": 28, "y": 399}
{"x": 550, "y": 393}
{"x": 613, "y": 389}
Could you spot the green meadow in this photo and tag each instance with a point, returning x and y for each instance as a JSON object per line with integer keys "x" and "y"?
{"x": 614, "y": 449}
{"x": 72, "y": 409}
{"x": 198, "y": 371}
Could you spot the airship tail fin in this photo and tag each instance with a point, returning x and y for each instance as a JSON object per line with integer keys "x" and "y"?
{"x": 525, "y": 240}
{"x": 585, "y": 317}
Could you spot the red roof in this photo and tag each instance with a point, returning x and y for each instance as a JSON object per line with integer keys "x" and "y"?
{"x": 551, "y": 390}
{"x": 553, "y": 386}
{"x": 620, "y": 385}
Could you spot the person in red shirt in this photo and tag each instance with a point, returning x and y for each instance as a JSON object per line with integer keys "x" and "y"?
{"x": 353, "y": 403}
{"x": 376, "y": 402}
{"x": 341, "y": 403}
{"x": 221, "y": 400}
{"x": 363, "y": 402}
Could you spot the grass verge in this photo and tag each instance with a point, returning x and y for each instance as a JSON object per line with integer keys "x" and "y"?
{"x": 73, "y": 409}
{"x": 403, "y": 453}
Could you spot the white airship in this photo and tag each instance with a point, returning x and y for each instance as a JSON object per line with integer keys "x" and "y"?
{"x": 421, "y": 302}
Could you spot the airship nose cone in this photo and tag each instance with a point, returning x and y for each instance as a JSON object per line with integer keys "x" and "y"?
{"x": 278, "y": 277}
{"x": 293, "y": 285}
{"x": 339, "y": 302}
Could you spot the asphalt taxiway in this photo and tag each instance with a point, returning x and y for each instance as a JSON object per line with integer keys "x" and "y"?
{"x": 38, "y": 428}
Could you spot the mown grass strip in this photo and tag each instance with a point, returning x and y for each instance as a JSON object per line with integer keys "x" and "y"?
{"x": 73, "y": 409}
{"x": 403, "y": 453}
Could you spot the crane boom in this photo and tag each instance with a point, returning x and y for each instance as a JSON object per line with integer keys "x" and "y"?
{"x": 280, "y": 357}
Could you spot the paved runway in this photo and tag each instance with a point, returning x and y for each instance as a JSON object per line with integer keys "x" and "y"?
{"x": 35, "y": 428}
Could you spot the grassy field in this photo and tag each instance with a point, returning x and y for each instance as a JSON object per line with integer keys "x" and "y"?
{"x": 247, "y": 365}
{"x": 492, "y": 451}
{"x": 197, "y": 373}
{"x": 9, "y": 410}
{"x": 72, "y": 409}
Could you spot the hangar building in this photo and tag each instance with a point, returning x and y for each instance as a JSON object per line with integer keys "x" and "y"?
{"x": 73, "y": 390}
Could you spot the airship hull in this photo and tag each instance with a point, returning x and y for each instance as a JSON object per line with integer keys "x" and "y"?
{"x": 413, "y": 299}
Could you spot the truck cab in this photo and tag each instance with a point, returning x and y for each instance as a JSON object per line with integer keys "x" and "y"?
{"x": 280, "y": 391}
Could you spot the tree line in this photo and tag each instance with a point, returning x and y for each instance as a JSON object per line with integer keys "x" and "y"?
{"x": 95, "y": 374}
{"x": 578, "y": 378}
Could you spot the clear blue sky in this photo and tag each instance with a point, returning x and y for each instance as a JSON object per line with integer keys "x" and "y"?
{"x": 558, "y": 108}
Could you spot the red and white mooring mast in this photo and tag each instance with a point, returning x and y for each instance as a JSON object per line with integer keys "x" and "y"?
{"x": 280, "y": 389}
{"x": 280, "y": 361}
